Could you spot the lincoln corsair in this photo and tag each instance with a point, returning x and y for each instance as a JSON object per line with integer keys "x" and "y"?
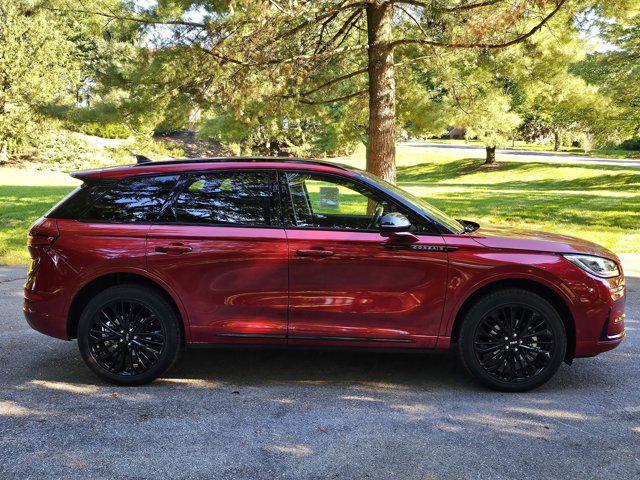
{"x": 143, "y": 260}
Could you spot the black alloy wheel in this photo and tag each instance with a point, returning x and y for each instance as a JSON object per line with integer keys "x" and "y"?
{"x": 126, "y": 337}
{"x": 512, "y": 340}
{"x": 129, "y": 335}
{"x": 513, "y": 343}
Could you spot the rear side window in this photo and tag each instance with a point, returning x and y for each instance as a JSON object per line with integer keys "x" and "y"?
{"x": 228, "y": 198}
{"x": 131, "y": 200}
{"x": 73, "y": 205}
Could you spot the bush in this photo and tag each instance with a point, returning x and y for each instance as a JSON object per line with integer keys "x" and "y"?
{"x": 64, "y": 150}
{"x": 631, "y": 144}
{"x": 107, "y": 130}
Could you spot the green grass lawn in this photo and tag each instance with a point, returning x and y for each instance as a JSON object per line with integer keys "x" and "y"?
{"x": 601, "y": 204}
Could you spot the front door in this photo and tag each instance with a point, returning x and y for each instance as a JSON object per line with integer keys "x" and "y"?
{"x": 348, "y": 285}
{"x": 221, "y": 248}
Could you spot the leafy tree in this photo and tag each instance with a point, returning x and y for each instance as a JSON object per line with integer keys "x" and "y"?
{"x": 490, "y": 92}
{"x": 37, "y": 65}
{"x": 327, "y": 52}
{"x": 616, "y": 70}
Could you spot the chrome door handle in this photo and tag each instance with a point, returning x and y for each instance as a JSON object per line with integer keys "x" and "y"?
{"x": 176, "y": 248}
{"x": 314, "y": 253}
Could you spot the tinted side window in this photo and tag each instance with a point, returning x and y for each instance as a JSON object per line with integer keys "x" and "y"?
{"x": 131, "y": 200}
{"x": 228, "y": 198}
{"x": 333, "y": 203}
{"x": 73, "y": 205}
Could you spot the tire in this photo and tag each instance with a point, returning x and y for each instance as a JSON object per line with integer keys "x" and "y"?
{"x": 512, "y": 340}
{"x": 129, "y": 335}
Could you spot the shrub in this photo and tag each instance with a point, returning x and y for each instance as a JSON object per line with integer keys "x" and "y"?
{"x": 631, "y": 144}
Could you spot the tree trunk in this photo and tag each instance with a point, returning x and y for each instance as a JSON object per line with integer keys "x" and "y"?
{"x": 491, "y": 156}
{"x": 381, "y": 151}
{"x": 556, "y": 141}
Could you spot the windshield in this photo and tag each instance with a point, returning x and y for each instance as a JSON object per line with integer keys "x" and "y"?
{"x": 429, "y": 210}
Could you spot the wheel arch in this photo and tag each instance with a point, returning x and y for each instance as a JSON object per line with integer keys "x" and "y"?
{"x": 99, "y": 283}
{"x": 544, "y": 291}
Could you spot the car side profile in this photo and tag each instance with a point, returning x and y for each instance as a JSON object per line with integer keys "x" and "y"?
{"x": 143, "y": 260}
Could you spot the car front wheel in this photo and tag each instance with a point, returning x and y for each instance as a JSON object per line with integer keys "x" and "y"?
{"x": 512, "y": 340}
{"x": 129, "y": 335}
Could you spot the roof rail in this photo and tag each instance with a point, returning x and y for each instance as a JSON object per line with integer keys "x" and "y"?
{"x": 242, "y": 159}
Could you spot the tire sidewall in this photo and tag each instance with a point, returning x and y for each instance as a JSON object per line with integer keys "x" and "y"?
{"x": 502, "y": 298}
{"x": 153, "y": 301}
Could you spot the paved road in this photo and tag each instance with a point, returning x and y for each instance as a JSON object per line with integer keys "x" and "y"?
{"x": 508, "y": 155}
{"x": 295, "y": 415}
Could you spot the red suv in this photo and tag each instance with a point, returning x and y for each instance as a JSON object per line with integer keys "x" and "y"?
{"x": 142, "y": 260}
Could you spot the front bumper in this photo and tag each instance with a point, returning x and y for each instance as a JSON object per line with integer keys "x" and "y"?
{"x": 612, "y": 296}
{"x": 594, "y": 347}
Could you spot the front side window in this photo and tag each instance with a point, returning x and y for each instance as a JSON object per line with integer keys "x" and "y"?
{"x": 227, "y": 198}
{"x": 334, "y": 203}
{"x": 130, "y": 200}
{"x": 454, "y": 225}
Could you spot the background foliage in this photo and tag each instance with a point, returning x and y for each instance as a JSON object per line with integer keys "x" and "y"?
{"x": 121, "y": 69}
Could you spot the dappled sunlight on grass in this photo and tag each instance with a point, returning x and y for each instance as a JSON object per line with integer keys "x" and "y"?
{"x": 601, "y": 204}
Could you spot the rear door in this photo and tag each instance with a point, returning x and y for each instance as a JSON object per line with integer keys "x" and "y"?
{"x": 221, "y": 247}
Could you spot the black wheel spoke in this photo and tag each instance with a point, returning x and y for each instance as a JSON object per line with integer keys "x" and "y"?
{"x": 126, "y": 337}
{"x": 513, "y": 343}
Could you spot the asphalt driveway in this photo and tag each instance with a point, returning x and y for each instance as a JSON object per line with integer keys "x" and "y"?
{"x": 280, "y": 414}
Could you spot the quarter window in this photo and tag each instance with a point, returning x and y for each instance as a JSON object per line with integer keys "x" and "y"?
{"x": 130, "y": 200}
{"x": 228, "y": 198}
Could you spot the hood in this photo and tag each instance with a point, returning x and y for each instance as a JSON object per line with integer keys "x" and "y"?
{"x": 514, "y": 239}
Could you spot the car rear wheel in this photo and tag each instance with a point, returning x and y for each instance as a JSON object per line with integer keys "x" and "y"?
{"x": 512, "y": 340}
{"x": 129, "y": 335}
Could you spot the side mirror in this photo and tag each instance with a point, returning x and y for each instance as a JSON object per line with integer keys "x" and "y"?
{"x": 394, "y": 223}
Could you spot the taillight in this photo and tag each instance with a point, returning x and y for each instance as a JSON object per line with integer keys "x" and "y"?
{"x": 43, "y": 233}
{"x": 39, "y": 240}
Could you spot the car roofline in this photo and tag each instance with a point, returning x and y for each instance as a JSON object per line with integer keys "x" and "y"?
{"x": 122, "y": 171}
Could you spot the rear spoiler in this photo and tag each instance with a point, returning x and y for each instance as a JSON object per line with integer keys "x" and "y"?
{"x": 96, "y": 174}
{"x": 87, "y": 175}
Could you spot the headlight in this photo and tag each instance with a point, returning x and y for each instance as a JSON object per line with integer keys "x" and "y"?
{"x": 598, "y": 266}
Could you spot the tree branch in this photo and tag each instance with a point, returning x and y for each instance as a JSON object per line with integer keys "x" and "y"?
{"x": 324, "y": 15}
{"x": 521, "y": 38}
{"x": 333, "y": 81}
{"x": 146, "y": 21}
{"x": 459, "y": 8}
{"x": 334, "y": 100}
{"x": 415, "y": 20}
